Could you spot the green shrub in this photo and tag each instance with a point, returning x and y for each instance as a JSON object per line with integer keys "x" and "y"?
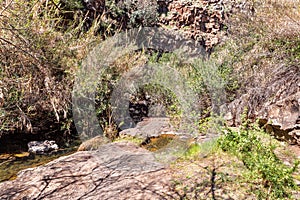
{"x": 258, "y": 156}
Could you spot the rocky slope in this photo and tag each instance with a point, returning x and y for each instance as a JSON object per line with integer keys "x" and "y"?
{"x": 275, "y": 103}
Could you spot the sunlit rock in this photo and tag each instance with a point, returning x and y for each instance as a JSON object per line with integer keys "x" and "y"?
{"x": 42, "y": 147}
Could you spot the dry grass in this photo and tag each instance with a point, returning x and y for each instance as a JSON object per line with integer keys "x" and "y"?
{"x": 194, "y": 179}
{"x": 261, "y": 45}
{"x": 280, "y": 17}
{"x": 38, "y": 63}
{"x": 269, "y": 18}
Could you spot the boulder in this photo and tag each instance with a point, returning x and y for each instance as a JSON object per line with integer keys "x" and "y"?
{"x": 115, "y": 171}
{"x": 149, "y": 127}
{"x": 284, "y": 113}
{"x": 42, "y": 147}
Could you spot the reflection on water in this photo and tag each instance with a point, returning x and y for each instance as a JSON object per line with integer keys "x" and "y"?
{"x": 11, "y": 164}
{"x": 157, "y": 143}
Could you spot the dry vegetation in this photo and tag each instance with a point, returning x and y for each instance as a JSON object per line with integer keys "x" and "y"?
{"x": 38, "y": 62}
{"x": 42, "y": 47}
{"x": 262, "y": 52}
{"x": 43, "y": 43}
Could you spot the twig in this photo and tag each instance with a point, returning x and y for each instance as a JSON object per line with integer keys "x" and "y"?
{"x": 7, "y": 5}
{"x": 9, "y": 160}
{"x": 28, "y": 125}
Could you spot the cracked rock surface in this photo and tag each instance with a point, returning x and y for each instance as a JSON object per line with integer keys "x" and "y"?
{"x": 115, "y": 171}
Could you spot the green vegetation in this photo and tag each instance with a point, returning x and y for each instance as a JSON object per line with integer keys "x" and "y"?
{"x": 258, "y": 171}
{"x": 135, "y": 140}
{"x": 202, "y": 150}
{"x": 162, "y": 96}
{"x": 265, "y": 168}
{"x": 42, "y": 46}
{"x": 44, "y": 42}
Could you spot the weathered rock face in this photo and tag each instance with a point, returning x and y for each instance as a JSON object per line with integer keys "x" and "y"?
{"x": 284, "y": 113}
{"x": 115, "y": 171}
{"x": 202, "y": 20}
{"x": 282, "y": 118}
{"x": 275, "y": 103}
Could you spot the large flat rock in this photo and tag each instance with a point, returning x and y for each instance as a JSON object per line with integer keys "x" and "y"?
{"x": 149, "y": 127}
{"x": 115, "y": 171}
